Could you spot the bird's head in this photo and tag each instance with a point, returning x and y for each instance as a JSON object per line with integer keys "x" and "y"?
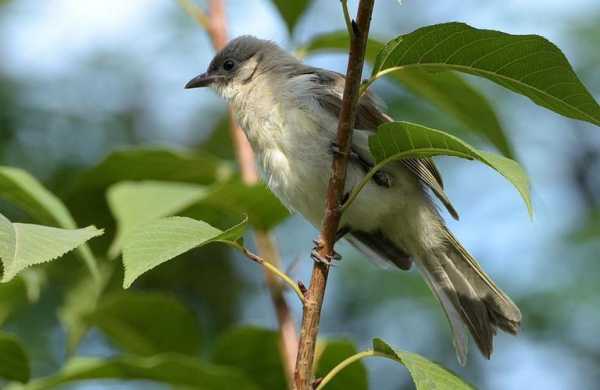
{"x": 237, "y": 64}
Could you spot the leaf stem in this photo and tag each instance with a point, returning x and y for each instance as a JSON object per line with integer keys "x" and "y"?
{"x": 347, "y": 17}
{"x": 269, "y": 267}
{"x": 311, "y": 314}
{"x": 345, "y": 363}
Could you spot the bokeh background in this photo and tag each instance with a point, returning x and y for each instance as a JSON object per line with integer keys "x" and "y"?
{"x": 81, "y": 78}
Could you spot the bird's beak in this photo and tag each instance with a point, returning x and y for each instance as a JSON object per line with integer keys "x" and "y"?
{"x": 203, "y": 80}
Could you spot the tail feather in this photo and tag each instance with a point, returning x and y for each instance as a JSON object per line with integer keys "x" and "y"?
{"x": 467, "y": 294}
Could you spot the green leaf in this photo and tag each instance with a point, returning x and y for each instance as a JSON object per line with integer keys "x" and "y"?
{"x": 22, "y": 189}
{"x": 354, "y": 377}
{"x": 256, "y": 352}
{"x": 397, "y": 140}
{"x": 236, "y": 199}
{"x": 80, "y": 301}
{"x": 14, "y": 364}
{"x": 161, "y": 240}
{"x": 175, "y": 370}
{"x": 426, "y": 374}
{"x": 446, "y": 90}
{"x": 23, "y": 245}
{"x": 145, "y": 323}
{"x": 526, "y": 64}
{"x": 22, "y": 290}
{"x": 291, "y": 11}
{"x": 136, "y": 203}
{"x": 150, "y": 164}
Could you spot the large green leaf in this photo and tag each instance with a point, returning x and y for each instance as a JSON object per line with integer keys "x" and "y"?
{"x": 22, "y": 189}
{"x": 334, "y": 352}
{"x": 426, "y": 374}
{"x": 86, "y": 196}
{"x": 163, "y": 239}
{"x": 256, "y": 352}
{"x": 291, "y": 11}
{"x": 446, "y": 90}
{"x": 148, "y": 323}
{"x": 396, "y": 140}
{"x": 135, "y": 203}
{"x": 14, "y": 364}
{"x": 526, "y": 64}
{"x": 234, "y": 199}
{"x": 175, "y": 370}
{"x": 23, "y": 245}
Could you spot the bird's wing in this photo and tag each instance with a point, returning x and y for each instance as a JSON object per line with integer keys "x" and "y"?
{"x": 330, "y": 87}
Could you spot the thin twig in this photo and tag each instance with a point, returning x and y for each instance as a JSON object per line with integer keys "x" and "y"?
{"x": 347, "y": 17}
{"x": 316, "y": 292}
{"x": 346, "y": 362}
{"x": 216, "y": 26}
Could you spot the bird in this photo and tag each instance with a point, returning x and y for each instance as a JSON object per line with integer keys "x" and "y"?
{"x": 289, "y": 113}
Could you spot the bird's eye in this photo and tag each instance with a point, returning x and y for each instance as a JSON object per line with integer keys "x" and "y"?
{"x": 228, "y": 65}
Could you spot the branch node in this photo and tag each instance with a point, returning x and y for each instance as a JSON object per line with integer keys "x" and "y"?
{"x": 355, "y": 29}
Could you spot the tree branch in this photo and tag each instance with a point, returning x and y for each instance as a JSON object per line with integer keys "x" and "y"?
{"x": 216, "y": 26}
{"x": 316, "y": 292}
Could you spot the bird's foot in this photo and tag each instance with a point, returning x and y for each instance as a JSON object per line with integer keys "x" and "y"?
{"x": 327, "y": 259}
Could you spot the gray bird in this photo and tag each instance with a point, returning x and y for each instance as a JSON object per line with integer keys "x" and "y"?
{"x": 289, "y": 112}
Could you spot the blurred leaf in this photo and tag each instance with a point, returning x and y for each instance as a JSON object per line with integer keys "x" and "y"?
{"x": 257, "y": 202}
{"x": 149, "y": 164}
{"x": 526, "y": 64}
{"x": 446, "y": 90}
{"x": 426, "y": 374}
{"x": 80, "y": 301}
{"x": 26, "y": 192}
{"x": 14, "y": 364}
{"x": 291, "y": 11}
{"x": 398, "y": 140}
{"x": 161, "y": 240}
{"x": 219, "y": 141}
{"x": 86, "y": 196}
{"x": 256, "y": 352}
{"x": 175, "y": 370}
{"x": 145, "y": 323}
{"x": 23, "y": 245}
{"x": 135, "y": 203}
{"x": 354, "y": 377}
{"x": 589, "y": 230}
{"x": 22, "y": 290}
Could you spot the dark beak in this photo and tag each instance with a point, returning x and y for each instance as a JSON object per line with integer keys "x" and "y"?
{"x": 203, "y": 80}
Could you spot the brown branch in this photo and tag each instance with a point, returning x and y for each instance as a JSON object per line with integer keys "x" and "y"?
{"x": 316, "y": 292}
{"x": 217, "y": 29}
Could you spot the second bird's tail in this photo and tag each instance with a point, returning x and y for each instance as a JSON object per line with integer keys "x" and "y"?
{"x": 468, "y": 297}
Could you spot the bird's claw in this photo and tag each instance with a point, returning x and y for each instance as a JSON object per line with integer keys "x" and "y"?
{"x": 327, "y": 259}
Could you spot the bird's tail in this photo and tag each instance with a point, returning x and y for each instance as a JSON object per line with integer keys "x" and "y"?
{"x": 468, "y": 297}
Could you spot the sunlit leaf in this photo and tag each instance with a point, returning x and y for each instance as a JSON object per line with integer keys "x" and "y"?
{"x": 147, "y": 323}
{"x": 23, "y": 245}
{"x": 354, "y": 377}
{"x": 526, "y": 64}
{"x": 291, "y": 11}
{"x": 397, "y": 140}
{"x": 446, "y": 90}
{"x": 14, "y": 364}
{"x": 135, "y": 203}
{"x": 161, "y": 240}
{"x": 174, "y": 370}
{"x": 256, "y": 352}
{"x": 427, "y": 375}
{"x": 22, "y": 189}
